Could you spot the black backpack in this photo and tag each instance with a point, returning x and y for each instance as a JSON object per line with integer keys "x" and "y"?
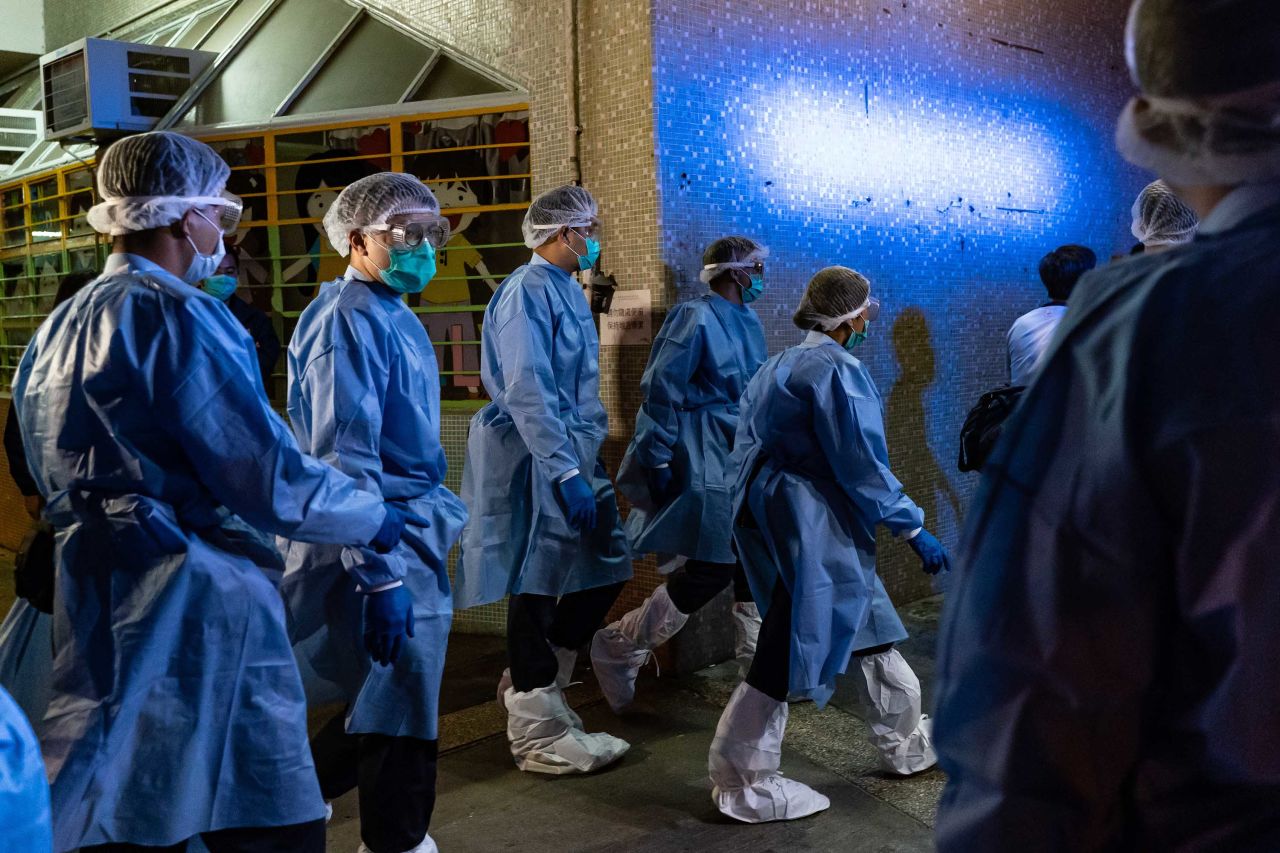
{"x": 33, "y": 570}
{"x": 984, "y": 423}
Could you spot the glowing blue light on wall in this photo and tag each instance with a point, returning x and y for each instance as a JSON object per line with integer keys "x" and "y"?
{"x": 860, "y": 148}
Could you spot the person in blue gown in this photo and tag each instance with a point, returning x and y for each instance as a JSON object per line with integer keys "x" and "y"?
{"x": 812, "y": 485}
{"x": 675, "y": 470}
{"x": 544, "y": 524}
{"x": 364, "y": 395}
{"x": 177, "y": 709}
{"x": 1107, "y": 663}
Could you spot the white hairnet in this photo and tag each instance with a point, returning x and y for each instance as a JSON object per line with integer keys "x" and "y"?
{"x": 730, "y": 253}
{"x": 568, "y": 206}
{"x": 150, "y": 180}
{"x": 372, "y": 201}
{"x": 1209, "y": 112}
{"x": 834, "y": 296}
{"x": 1160, "y": 218}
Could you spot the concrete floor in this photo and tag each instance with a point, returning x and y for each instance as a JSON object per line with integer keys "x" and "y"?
{"x": 658, "y": 797}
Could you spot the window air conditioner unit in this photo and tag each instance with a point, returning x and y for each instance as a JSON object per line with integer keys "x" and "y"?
{"x": 19, "y": 130}
{"x": 104, "y": 88}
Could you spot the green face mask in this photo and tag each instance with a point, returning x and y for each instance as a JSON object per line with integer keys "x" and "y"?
{"x": 857, "y": 338}
{"x": 220, "y": 286}
{"x": 410, "y": 271}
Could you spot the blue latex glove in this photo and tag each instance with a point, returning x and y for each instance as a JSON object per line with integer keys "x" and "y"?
{"x": 388, "y": 535}
{"x": 579, "y": 502}
{"x": 388, "y": 619}
{"x": 660, "y": 483}
{"x": 931, "y": 553}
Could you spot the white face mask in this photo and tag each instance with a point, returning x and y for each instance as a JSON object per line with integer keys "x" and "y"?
{"x": 202, "y": 266}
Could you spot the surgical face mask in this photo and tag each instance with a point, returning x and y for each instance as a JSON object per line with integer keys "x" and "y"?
{"x": 754, "y": 288}
{"x": 588, "y": 260}
{"x": 202, "y": 266}
{"x": 409, "y": 271}
{"x": 220, "y": 286}
{"x": 857, "y": 337}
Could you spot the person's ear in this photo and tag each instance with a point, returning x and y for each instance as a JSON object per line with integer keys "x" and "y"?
{"x": 356, "y": 239}
{"x": 179, "y": 228}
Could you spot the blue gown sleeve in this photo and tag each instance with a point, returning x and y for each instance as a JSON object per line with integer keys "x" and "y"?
{"x": 213, "y": 398}
{"x": 345, "y": 388}
{"x": 850, "y": 429}
{"x": 531, "y": 395}
{"x": 24, "y": 793}
{"x": 672, "y": 363}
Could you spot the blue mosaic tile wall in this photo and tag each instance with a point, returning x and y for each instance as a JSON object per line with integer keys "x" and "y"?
{"x": 939, "y": 147}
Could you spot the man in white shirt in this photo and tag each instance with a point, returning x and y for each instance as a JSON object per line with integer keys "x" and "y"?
{"x": 1030, "y": 334}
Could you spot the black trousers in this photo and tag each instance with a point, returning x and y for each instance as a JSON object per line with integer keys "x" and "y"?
{"x": 295, "y": 838}
{"x": 697, "y": 582}
{"x": 770, "y": 671}
{"x": 535, "y": 623}
{"x": 395, "y": 776}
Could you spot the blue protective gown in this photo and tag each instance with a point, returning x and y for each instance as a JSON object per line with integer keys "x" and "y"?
{"x": 883, "y": 625}
{"x": 177, "y": 706}
{"x": 26, "y": 658}
{"x": 24, "y": 793}
{"x": 813, "y": 483}
{"x": 540, "y": 365}
{"x": 364, "y": 396}
{"x": 705, "y": 355}
{"x": 1107, "y": 674}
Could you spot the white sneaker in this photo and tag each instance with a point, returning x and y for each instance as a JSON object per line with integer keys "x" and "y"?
{"x": 426, "y": 845}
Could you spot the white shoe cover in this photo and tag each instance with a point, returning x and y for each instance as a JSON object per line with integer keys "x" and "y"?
{"x": 426, "y": 845}
{"x": 566, "y": 660}
{"x": 546, "y": 739}
{"x": 890, "y": 694}
{"x": 746, "y": 631}
{"x": 744, "y": 759}
{"x": 328, "y": 812}
{"x": 619, "y": 650}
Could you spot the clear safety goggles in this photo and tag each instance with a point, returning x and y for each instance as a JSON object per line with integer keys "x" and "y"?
{"x": 586, "y": 230}
{"x": 409, "y": 231}
{"x": 872, "y": 309}
{"x": 869, "y": 309}
{"x": 230, "y": 209}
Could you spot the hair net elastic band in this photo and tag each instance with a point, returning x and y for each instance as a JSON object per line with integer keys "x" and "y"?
{"x": 536, "y": 235}
{"x": 710, "y": 271}
{"x": 412, "y": 211}
{"x": 832, "y": 323}
{"x": 1218, "y": 140}
{"x": 127, "y": 214}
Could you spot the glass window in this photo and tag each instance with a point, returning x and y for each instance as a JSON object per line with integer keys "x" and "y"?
{"x": 44, "y": 211}
{"x": 270, "y": 64}
{"x": 27, "y": 94}
{"x": 451, "y": 79}
{"x": 345, "y": 82}
{"x": 193, "y": 35}
{"x": 79, "y": 200}
{"x": 14, "y": 218}
{"x": 229, "y": 27}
